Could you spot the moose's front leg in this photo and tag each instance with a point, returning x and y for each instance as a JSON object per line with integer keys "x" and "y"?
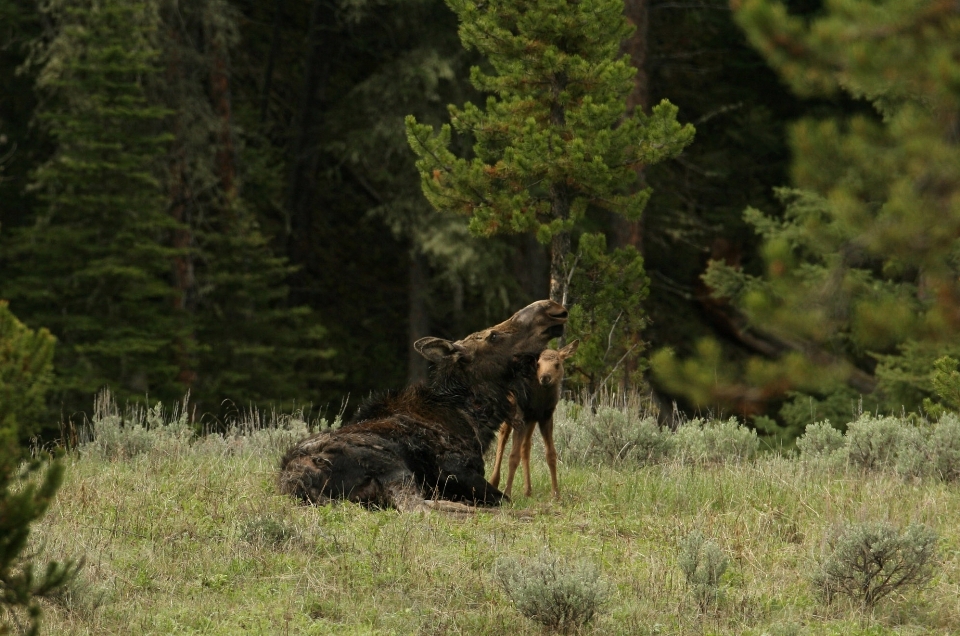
{"x": 462, "y": 479}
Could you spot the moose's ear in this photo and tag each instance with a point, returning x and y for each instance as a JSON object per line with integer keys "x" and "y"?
{"x": 569, "y": 350}
{"x": 438, "y": 349}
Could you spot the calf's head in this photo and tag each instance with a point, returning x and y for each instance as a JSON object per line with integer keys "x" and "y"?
{"x": 550, "y": 364}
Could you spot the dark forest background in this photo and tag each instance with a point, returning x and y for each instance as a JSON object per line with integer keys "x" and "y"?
{"x": 285, "y": 253}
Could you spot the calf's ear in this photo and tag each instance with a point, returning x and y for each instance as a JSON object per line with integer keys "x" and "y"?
{"x": 569, "y": 350}
{"x": 438, "y": 349}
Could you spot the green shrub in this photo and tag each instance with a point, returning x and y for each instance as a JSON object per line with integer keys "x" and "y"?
{"x": 944, "y": 448}
{"x": 703, "y": 564}
{"x": 26, "y": 492}
{"x": 613, "y": 434}
{"x": 912, "y": 456}
{"x": 617, "y": 435}
{"x": 715, "y": 441}
{"x": 873, "y": 442}
{"x": 115, "y": 436}
{"x": 560, "y": 596}
{"x": 868, "y": 561}
{"x": 820, "y": 441}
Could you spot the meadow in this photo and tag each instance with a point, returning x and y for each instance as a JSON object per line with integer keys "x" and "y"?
{"x": 186, "y": 534}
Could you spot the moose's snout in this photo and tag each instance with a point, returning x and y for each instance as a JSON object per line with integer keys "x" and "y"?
{"x": 546, "y": 380}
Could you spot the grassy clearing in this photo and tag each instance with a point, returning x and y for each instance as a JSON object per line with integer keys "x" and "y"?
{"x": 191, "y": 537}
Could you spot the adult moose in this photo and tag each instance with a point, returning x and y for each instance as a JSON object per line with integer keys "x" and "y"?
{"x": 426, "y": 442}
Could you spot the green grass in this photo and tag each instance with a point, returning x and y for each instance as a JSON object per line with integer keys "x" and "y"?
{"x": 192, "y": 538}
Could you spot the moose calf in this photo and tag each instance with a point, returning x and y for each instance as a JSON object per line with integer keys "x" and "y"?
{"x": 534, "y": 409}
{"x": 427, "y": 441}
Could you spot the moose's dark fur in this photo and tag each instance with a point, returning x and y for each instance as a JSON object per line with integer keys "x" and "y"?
{"x": 427, "y": 441}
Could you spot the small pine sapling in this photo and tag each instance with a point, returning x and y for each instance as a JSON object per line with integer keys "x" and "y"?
{"x": 25, "y": 367}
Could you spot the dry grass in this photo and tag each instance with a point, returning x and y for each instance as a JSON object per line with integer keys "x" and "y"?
{"x": 193, "y": 538}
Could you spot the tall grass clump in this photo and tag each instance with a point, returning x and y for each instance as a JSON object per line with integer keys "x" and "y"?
{"x": 561, "y": 596}
{"x": 867, "y": 561}
{"x": 703, "y": 564}
{"x": 114, "y": 434}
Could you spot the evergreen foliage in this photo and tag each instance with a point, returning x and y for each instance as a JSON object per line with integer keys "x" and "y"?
{"x": 554, "y": 138}
{"x": 286, "y": 165}
{"x": 246, "y": 342}
{"x": 860, "y": 276}
{"x": 26, "y": 371}
{"x": 25, "y": 496}
{"x": 25, "y": 491}
{"x": 93, "y": 267}
{"x": 606, "y": 294}
{"x": 946, "y": 387}
{"x": 143, "y": 257}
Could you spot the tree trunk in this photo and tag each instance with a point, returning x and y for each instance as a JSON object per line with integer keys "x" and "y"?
{"x": 179, "y": 196}
{"x": 559, "y": 250}
{"x": 560, "y": 244}
{"x": 627, "y": 232}
{"x": 624, "y": 231}
{"x": 303, "y": 158}
{"x": 637, "y": 13}
{"x": 220, "y": 97}
{"x": 271, "y": 59}
{"x": 530, "y": 268}
{"x": 419, "y": 319}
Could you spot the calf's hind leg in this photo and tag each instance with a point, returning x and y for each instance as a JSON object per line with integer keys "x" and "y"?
{"x": 527, "y": 442}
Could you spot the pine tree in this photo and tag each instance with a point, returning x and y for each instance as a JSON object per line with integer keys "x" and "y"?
{"x": 861, "y": 283}
{"x": 25, "y": 370}
{"x": 554, "y": 139}
{"x": 143, "y": 256}
{"x": 246, "y": 343}
{"x": 449, "y": 269}
{"x": 25, "y": 497}
{"x": 94, "y": 266}
{"x": 608, "y": 289}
